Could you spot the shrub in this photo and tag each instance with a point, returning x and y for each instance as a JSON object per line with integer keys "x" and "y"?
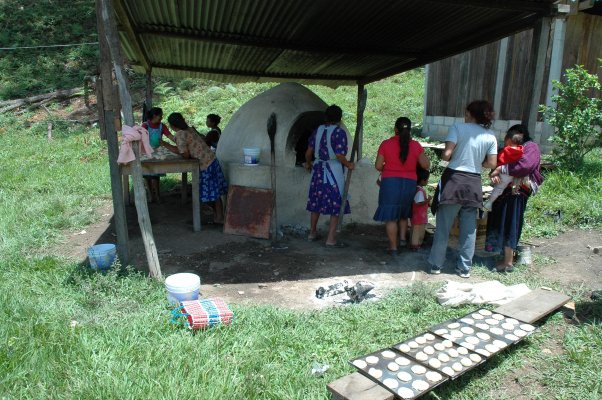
{"x": 577, "y": 117}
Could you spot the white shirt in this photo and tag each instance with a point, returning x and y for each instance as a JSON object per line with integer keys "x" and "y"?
{"x": 473, "y": 144}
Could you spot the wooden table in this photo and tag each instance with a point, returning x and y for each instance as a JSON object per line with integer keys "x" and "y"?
{"x": 171, "y": 166}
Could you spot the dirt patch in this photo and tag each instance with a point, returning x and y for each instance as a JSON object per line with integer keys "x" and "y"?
{"x": 249, "y": 271}
{"x": 569, "y": 261}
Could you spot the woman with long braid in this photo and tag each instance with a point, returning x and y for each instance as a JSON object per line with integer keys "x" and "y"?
{"x": 397, "y": 160}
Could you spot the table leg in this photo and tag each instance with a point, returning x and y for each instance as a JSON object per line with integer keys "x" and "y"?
{"x": 126, "y": 190}
{"x": 184, "y": 189}
{"x": 196, "y": 202}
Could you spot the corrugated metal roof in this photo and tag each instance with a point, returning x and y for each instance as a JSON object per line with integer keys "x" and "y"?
{"x": 313, "y": 41}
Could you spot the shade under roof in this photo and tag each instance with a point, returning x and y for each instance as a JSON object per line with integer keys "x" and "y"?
{"x": 333, "y": 42}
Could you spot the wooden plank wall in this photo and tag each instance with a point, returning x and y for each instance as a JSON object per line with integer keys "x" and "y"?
{"x": 583, "y": 43}
{"x": 517, "y": 80}
{"x": 461, "y": 77}
{"x": 455, "y": 81}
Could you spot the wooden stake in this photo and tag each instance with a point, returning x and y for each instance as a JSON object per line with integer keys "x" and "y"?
{"x": 106, "y": 114}
{"x": 49, "y": 135}
{"x": 362, "y": 96}
{"x": 112, "y": 40}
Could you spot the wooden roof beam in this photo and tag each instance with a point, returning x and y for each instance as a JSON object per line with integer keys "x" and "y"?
{"x": 519, "y": 24}
{"x": 125, "y": 23}
{"x": 240, "y": 40}
{"x": 517, "y": 5}
{"x": 253, "y": 74}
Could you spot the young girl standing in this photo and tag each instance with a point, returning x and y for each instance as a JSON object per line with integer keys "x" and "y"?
{"x": 420, "y": 209}
{"x": 156, "y": 130}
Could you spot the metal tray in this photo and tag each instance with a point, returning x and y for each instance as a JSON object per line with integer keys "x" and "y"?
{"x": 416, "y": 379}
{"x": 499, "y": 325}
{"x": 471, "y": 337}
{"x": 440, "y": 354}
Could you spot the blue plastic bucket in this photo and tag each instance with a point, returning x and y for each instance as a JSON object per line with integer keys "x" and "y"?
{"x": 251, "y": 156}
{"x": 101, "y": 256}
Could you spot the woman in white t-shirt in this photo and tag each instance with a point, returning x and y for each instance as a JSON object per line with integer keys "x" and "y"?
{"x": 469, "y": 146}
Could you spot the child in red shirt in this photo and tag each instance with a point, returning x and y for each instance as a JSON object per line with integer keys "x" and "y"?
{"x": 512, "y": 152}
{"x": 420, "y": 209}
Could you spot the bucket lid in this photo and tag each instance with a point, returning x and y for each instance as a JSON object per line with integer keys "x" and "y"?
{"x": 184, "y": 279}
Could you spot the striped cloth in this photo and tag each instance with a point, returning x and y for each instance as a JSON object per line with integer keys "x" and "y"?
{"x": 206, "y": 313}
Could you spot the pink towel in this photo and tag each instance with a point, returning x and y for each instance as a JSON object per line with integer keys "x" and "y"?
{"x": 135, "y": 134}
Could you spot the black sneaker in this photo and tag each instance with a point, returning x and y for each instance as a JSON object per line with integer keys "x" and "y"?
{"x": 462, "y": 273}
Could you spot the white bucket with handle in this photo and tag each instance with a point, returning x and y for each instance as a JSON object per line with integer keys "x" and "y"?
{"x": 183, "y": 286}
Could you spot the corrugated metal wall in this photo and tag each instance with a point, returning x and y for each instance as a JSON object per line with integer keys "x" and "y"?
{"x": 455, "y": 81}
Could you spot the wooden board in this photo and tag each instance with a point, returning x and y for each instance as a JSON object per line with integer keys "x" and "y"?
{"x": 534, "y": 305}
{"x": 249, "y": 212}
{"x": 357, "y": 387}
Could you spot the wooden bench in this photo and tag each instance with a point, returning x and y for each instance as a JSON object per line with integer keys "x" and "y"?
{"x": 529, "y": 308}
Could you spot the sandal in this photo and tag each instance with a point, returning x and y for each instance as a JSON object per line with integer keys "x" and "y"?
{"x": 337, "y": 245}
{"x": 503, "y": 268}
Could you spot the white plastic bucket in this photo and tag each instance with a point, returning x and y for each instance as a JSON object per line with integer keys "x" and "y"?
{"x": 184, "y": 286}
{"x": 251, "y": 155}
{"x": 101, "y": 256}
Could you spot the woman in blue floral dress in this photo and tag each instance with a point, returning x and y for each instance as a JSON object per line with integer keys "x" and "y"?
{"x": 328, "y": 144}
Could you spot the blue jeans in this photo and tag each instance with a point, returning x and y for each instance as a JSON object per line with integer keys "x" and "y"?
{"x": 446, "y": 213}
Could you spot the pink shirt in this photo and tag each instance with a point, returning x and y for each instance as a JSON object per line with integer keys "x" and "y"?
{"x": 394, "y": 168}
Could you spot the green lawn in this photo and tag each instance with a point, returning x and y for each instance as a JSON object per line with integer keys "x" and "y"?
{"x": 123, "y": 345}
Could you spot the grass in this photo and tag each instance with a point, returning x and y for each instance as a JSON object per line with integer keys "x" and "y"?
{"x": 123, "y": 345}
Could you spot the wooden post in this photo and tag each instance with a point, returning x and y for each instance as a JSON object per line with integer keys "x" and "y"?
{"x": 555, "y": 70}
{"x": 362, "y": 95}
{"x": 105, "y": 104}
{"x": 500, "y": 76}
{"x": 149, "y": 89}
{"x": 49, "y": 134}
{"x": 556, "y": 58}
{"x": 539, "y": 49}
{"x": 110, "y": 31}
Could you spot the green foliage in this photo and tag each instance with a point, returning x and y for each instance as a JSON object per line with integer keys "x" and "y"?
{"x": 46, "y": 188}
{"x": 576, "y": 194}
{"x": 577, "y": 117}
{"x": 27, "y": 72}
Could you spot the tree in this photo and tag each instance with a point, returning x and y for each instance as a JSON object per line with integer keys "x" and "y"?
{"x": 577, "y": 117}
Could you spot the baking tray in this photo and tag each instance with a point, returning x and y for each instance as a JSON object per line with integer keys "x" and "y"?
{"x": 440, "y": 354}
{"x": 471, "y": 337}
{"x": 399, "y": 374}
{"x": 499, "y": 325}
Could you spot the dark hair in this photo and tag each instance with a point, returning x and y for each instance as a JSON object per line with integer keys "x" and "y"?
{"x": 521, "y": 130}
{"x": 422, "y": 174}
{"x": 404, "y": 129}
{"x": 482, "y": 112}
{"x": 150, "y": 114}
{"x": 214, "y": 118}
{"x": 333, "y": 114}
{"x": 177, "y": 120}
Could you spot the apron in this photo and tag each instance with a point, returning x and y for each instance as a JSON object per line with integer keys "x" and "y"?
{"x": 154, "y": 135}
{"x": 332, "y": 170}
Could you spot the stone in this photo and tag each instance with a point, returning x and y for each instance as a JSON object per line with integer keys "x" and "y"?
{"x": 438, "y": 120}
